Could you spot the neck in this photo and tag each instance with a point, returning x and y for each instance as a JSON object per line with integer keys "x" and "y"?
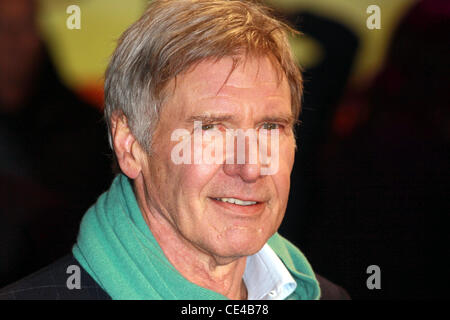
{"x": 220, "y": 274}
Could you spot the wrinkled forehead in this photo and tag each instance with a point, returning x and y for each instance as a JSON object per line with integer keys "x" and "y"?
{"x": 212, "y": 76}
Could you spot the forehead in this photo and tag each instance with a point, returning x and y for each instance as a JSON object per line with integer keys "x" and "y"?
{"x": 253, "y": 88}
{"x": 212, "y": 77}
{"x": 250, "y": 92}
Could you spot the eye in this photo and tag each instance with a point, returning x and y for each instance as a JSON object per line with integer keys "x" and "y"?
{"x": 208, "y": 126}
{"x": 270, "y": 126}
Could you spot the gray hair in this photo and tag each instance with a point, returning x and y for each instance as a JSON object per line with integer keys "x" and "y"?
{"x": 173, "y": 35}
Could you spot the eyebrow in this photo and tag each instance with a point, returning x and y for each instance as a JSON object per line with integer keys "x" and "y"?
{"x": 211, "y": 118}
{"x": 286, "y": 119}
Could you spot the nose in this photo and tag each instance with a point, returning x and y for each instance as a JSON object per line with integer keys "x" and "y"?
{"x": 248, "y": 172}
{"x": 242, "y": 157}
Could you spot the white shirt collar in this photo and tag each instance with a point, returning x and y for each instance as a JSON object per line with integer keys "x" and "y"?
{"x": 266, "y": 277}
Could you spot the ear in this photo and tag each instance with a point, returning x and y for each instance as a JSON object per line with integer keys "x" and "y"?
{"x": 127, "y": 149}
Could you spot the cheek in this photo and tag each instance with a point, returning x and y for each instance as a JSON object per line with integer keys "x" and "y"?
{"x": 189, "y": 203}
{"x": 161, "y": 174}
{"x": 182, "y": 184}
{"x": 194, "y": 178}
{"x": 282, "y": 177}
{"x": 282, "y": 184}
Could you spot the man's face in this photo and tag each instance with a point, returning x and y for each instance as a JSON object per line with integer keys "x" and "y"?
{"x": 190, "y": 196}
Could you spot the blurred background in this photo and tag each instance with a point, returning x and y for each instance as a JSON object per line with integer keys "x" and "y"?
{"x": 370, "y": 184}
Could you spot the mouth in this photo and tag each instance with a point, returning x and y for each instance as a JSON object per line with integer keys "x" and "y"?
{"x": 236, "y": 201}
{"x": 239, "y": 206}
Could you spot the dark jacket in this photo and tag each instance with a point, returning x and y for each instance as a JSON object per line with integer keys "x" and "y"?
{"x": 50, "y": 283}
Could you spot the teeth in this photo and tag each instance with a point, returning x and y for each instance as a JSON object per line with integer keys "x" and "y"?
{"x": 237, "y": 201}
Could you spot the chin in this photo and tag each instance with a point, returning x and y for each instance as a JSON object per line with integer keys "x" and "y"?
{"x": 238, "y": 243}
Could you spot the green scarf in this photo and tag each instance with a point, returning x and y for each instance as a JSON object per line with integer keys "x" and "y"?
{"x": 116, "y": 247}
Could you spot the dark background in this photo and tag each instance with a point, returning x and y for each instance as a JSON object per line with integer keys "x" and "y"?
{"x": 371, "y": 180}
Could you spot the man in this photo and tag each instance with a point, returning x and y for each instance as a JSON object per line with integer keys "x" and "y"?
{"x": 191, "y": 79}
